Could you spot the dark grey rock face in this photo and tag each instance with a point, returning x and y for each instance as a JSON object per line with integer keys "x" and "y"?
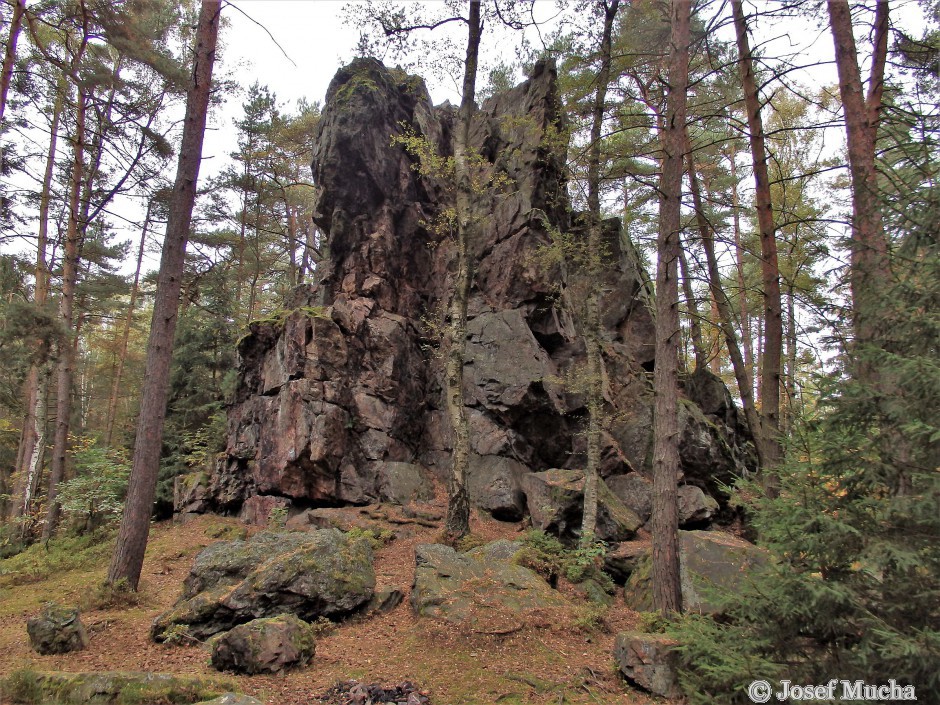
{"x": 56, "y": 630}
{"x": 346, "y": 384}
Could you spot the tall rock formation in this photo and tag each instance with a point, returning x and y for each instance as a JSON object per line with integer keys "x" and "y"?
{"x": 341, "y": 394}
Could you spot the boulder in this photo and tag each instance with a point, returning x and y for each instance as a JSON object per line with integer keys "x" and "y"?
{"x": 56, "y": 630}
{"x": 695, "y": 507}
{"x": 113, "y": 687}
{"x": 314, "y": 574}
{"x": 229, "y": 562}
{"x": 493, "y": 483}
{"x": 267, "y": 645}
{"x": 479, "y": 587}
{"x": 635, "y": 491}
{"x": 712, "y": 564}
{"x": 555, "y": 499}
{"x": 649, "y": 661}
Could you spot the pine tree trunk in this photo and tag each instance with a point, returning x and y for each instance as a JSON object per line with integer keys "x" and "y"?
{"x": 126, "y": 334}
{"x": 771, "y": 362}
{"x": 869, "y": 268}
{"x": 592, "y": 324}
{"x": 725, "y": 314}
{"x": 9, "y": 56}
{"x": 695, "y": 319}
{"x": 667, "y": 597}
{"x": 127, "y": 560}
{"x": 66, "y": 306}
{"x": 746, "y": 338}
{"x": 457, "y": 523}
{"x": 30, "y": 437}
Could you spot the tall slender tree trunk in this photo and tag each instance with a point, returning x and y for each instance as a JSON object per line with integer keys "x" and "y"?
{"x": 771, "y": 363}
{"x": 66, "y": 311}
{"x": 126, "y": 333}
{"x": 128, "y": 558}
{"x": 725, "y": 314}
{"x": 457, "y": 522}
{"x": 869, "y": 267}
{"x": 9, "y": 56}
{"x": 791, "y": 361}
{"x": 714, "y": 338}
{"x": 31, "y": 392}
{"x": 695, "y": 318}
{"x": 667, "y": 596}
{"x": 746, "y": 337}
{"x": 592, "y": 324}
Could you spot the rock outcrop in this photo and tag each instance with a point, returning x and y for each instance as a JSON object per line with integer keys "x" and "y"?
{"x": 339, "y": 396}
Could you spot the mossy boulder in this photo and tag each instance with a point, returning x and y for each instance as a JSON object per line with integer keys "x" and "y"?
{"x": 313, "y": 574}
{"x": 56, "y": 630}
{"x": 556, "y": 504}
{"x": 482, "y": 586}
{"x": 711, "y": 565}
{"x": 230, "y": 562}
{"x": 267, "y": 645}
{"x": 110, "y": 688}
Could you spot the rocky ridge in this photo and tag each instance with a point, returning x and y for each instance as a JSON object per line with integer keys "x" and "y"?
{"x": 339, "y": 399}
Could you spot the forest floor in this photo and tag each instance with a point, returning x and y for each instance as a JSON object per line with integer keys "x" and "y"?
{"x": 565, "y": 661}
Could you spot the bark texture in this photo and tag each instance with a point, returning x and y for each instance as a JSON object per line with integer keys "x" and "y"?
{"x": 869, "y": 268}
{"x": 769, "y": 437}
{"x": 592, "y": 323}
{"x": 458, "y": 502}
{"x": 665, "y": 518}
{"x": 128, "y": 557}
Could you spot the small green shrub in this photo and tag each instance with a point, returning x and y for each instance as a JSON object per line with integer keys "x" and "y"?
{"x": 376, "y": 537}
{"x": 591, "y": 617}
{"x": 546, "y": 555}
{"x": 277, "y": 518}
{"x": 542, "y": 553}
{"x": 322, "y": 626}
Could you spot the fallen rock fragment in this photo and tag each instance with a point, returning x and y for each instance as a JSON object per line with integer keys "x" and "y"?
{"x": 56, "y": 630}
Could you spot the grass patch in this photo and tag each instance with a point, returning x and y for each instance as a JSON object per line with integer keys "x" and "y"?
{"x": 58, "y": 555}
